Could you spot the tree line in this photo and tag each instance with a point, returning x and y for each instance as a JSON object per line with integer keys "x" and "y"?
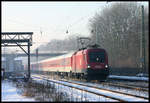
{"x": 119, "y": 30}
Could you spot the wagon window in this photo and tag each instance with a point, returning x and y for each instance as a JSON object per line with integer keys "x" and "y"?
{"x": 97, "y": 57}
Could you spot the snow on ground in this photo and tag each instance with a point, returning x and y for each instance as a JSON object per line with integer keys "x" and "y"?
{"x": 74, "y": 94}
{"x": 123, "y": 97}
{"x": 9, "y": 92}
{"x": 84, "y": 96}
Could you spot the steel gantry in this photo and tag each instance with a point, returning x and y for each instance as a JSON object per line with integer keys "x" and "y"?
{"x": 20, "y": 39}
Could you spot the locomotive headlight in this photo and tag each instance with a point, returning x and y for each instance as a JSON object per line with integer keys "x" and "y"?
{"x": 106, "y": 66}
{"x": 88, "y": 66}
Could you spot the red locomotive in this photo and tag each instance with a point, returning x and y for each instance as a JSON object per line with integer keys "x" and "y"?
{"x": 90, "y": 63}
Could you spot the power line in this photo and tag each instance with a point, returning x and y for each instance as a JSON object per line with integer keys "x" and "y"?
{"x": 76, "y": 22}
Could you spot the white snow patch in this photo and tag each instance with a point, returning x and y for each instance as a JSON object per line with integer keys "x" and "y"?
{"x": 89, "y": 96}
{"x": 9, "y": 93}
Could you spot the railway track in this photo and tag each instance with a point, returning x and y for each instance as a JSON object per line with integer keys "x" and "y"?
{"x": 115, "y": 95}
{"x": 105, "y": 89}
{"x": 118, "y": 84}
{"x": 122, "y": 85}
{"x": 128, "y": 86}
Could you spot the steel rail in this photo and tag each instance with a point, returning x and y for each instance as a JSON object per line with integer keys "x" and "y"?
{"x": 126, "y": 86}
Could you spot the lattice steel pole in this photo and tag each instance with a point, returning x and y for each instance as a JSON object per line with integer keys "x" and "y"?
{"x": 28, "y": 59}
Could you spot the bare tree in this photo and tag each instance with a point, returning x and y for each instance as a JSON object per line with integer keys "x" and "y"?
{"x": 119, "y": 28}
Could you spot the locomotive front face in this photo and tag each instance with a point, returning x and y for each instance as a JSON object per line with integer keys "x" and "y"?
{"x": 97, "y": 63}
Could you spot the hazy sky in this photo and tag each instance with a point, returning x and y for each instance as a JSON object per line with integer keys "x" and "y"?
{"x": 52, "y": 18}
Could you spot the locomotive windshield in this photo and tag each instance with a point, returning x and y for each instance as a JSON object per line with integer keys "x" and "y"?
{"x": 98, "y": 57}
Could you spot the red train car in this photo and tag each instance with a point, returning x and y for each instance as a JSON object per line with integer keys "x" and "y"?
{"x": 90, "y": 63}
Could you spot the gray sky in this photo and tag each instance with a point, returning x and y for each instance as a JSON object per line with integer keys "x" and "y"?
{"x": 52, "y": 18}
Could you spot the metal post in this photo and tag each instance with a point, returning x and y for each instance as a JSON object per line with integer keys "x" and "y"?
{"x": 78, "y": 46}
{"x": 96, "y": 35}
{"x": 143, "y": 39}
{"x": 5, "y": 59}
{"x": 37, "y": 60}
{"x": 28, "y": 59}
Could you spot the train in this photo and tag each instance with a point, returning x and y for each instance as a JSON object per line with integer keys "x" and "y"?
{"x": 89, "y": 63}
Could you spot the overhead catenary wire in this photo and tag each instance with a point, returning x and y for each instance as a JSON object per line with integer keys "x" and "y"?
{"x": 41, "y": 31}
{"x": 79, "y": 20}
